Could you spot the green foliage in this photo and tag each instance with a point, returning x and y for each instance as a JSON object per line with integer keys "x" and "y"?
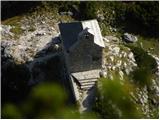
{"x": 114, "y": 100}
{"x": 10, "y": 111}
{"x": 143, "y": 59}
{"x": 144, "y": 14}
{"x": 146, "y": 66}
{"x": 116, "y": 12}
{"x": 14, "y": 8}
{"x": 142, "y": 76}
{"x": 149, "y": 44}
{"x": 48, "y": 93}
{"x": 14, "y": 82}
{"x": 16, "y": 29}
{"x": 63, "y": 5}
{"x": 89, "y": 9}
{"x": 138, "y": 17}
{"x": 46, "y": 100}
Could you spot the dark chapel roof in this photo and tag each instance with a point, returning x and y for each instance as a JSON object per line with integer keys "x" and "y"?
{"x": 70, "y": 31}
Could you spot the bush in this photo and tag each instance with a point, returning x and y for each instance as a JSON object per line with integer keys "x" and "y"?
{"x": 14, "y": 82}
{"x": 145, "y": 15}
{"x": 88, "y": 10}
{"x": 14, "y": 8}
{"x": 114, "y": 100}
{"x": 46, "y": 100}
{"x": 147, "y": 66}
{"x": 10, "y": 111}
{"x": 144, "y": 60}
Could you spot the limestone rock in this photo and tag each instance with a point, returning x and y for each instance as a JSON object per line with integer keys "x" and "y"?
{"x": 116, "y": 50}
{"x": 6, "y": 30}
{"x": 112, "y": 58}
{"x": 103, "y": 73}
{"x": 131, "y": 56}
{"x": 129, "y": 37}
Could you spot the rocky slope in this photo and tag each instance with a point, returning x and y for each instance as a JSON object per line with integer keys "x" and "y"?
{"x": 38, "y": 44}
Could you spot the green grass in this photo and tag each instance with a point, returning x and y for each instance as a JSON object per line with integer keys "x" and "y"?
{"x": 15, "y": 22}
{"x": 17, "y": 30}
{"x": 12, "y": 21}
{"x": 149, "y": 43}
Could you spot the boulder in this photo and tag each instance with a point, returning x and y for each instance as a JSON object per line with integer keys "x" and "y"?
{"x": 40, "y": 33}
{"x": 103, "y": 73}
{"x": 131, "y": 56}
{"x": 116, "y": 50}
{"x": 129, "y": 38}
{"x": 112, "y": 58}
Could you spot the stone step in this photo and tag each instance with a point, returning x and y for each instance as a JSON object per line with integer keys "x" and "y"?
{"x": 87, "y": 83}
{"x": 87, "y": 80}
{"x": 87, "y": 74}
{"x": 87, "y": 86}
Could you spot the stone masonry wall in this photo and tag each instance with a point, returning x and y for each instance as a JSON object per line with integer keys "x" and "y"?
{"x": 85, "y": 56}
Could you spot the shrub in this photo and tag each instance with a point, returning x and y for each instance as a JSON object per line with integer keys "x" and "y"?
{"x": 145, "y": 15}
{"x": 10, "y": 111}
{"x": 143, "y": 59}
{"x": 88, "y": 9}
{"x": 14, "y": 82}
{"x": 14, "y": 8}
{"x": 114, "y": 100}
{"x": 46, "y": 100}
{"x": 147, "y": 66}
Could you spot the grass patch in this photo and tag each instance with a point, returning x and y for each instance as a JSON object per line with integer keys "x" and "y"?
{"x": 17, "y": 30}
{"x": 12, "y": 21}
{"x": 15, "y": 23}
{"x": 147, "y": 66}
{"x": 143, "y": 59}
{"x": 113, "y": 100}
{"x": 149, "y": 44}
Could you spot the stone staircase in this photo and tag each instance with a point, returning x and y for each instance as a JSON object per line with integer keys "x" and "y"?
{"x": 84, "y": 89}
{"x": 86, "y": 84}
{"x": 86, "y": 79}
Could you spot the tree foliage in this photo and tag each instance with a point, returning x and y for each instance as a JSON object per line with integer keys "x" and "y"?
{"x": 114, "y": 100}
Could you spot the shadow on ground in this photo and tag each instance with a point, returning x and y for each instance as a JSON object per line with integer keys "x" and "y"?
{"x": 47, "y": 66}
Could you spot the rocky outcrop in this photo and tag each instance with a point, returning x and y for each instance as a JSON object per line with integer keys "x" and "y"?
{"x": 117, "y": 57}
{"x": 129, "y": 37}
{"x": 33, "y": 49}
{"x": 6, "y": 30}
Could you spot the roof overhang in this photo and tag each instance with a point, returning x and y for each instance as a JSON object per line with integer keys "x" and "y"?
{"x": 93, "y": 28}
